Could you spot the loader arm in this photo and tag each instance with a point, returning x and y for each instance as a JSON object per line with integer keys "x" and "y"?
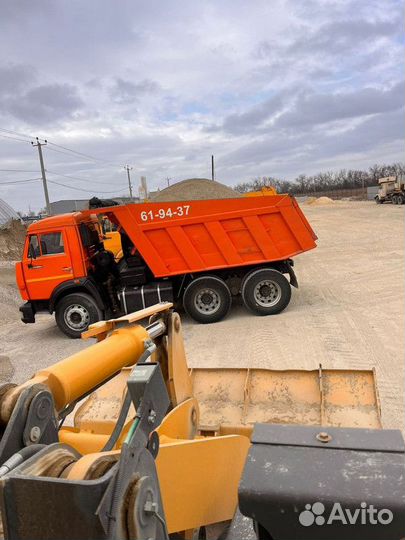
{"x": 156, "y": 448}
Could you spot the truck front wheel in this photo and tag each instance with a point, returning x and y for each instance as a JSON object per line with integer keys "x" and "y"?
{"x": 75, "y": 312}
{"x": 266, "y": 291}
{"x": 207, "y": 299}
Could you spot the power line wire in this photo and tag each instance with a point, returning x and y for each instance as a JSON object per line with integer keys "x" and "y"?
{"x": 73, "y": 156}
{"x": 19, "y": 181}
{"x": 17, "y": 170}
{"x": 81, "y": 189}
{"x": 60, "y": 151}
{"x": 16, "y": 133}
{"x": 80, "y": 179}
{"x": 13, "y": 138}
{"x": 88, "y": 156}
{"x": 70, "y": 150}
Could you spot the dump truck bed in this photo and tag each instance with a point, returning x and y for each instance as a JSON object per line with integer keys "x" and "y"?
{"x": 184, "y": 237}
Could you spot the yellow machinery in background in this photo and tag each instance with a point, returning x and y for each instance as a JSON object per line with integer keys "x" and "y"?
{"x": 154, "y": 448}
{"x": 111, "y": 238}
{"x": 265, "y": 191}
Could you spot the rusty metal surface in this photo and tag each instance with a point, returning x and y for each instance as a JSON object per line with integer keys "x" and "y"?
{"x": 241, "y": 397}
{"x": 232, "y": 400}
{"x": 100, "y": 410}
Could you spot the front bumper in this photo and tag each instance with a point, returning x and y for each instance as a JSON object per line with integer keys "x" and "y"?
{"x": 27, "y": 313}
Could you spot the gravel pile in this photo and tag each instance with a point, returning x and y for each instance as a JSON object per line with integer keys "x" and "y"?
{"x": 195, "y": 189}
{"x": 320, "y": 201}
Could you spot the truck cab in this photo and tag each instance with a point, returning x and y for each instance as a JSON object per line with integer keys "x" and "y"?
{"x": 391, "y": 189}
{"x": 56, "y": 262}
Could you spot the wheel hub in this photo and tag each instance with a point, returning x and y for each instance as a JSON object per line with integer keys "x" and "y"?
{"x": 267, "y": 293}
{"x": 207, "y": 301}
{"x": 77, "y": 317}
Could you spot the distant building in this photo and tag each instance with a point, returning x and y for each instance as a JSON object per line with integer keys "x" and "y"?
{"x": 66, "y": 206}
{"x": 69, "y": 205}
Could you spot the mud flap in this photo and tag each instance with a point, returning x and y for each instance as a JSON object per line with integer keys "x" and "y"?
{"x": 313, "y": 483}
{"x": 293, "y": 277}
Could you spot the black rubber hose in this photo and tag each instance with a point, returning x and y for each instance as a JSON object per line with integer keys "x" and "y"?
{"x": 123, "y": 412}
{"x": 119, "y": 424}
{"x": 20, "y": 456}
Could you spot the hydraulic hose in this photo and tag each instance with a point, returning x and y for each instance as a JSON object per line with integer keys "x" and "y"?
{"x": 17, "y": 458}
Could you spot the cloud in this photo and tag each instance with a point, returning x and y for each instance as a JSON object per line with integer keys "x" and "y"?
{"x": 313, "y": 109}
{"x": 337, "y": 38}
{"x": 46, "y": 104}
{"x": 125, "y": 91}
{"x": 285, "y": 88}
{"x": 14, "y": 77}
{"x": 255, "y": 116}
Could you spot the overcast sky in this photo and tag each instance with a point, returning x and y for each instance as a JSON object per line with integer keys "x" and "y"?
{"x": 271, "y": 87}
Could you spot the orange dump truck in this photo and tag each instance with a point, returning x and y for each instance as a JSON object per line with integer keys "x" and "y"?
{"x": 197, "y": 253}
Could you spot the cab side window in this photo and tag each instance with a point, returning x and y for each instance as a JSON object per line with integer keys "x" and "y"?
{"x": 51, "y": 243}
{"x": 34, "y": 248}
{"x": 108, "y": 226}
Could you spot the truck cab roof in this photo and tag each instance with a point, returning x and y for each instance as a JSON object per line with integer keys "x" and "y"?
{"x": 61, "y": 220}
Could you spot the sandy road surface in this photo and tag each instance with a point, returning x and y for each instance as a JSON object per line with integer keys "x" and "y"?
{"x": 348, "y": 311}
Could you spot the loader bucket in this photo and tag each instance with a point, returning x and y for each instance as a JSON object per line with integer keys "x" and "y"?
{"x": 232, "y": 400}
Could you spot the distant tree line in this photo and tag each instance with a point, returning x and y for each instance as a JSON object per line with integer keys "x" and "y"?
{"x": 324, "y": 181}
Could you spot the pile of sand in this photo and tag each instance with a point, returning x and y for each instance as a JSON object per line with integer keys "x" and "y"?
{"x": 195, "y": 189}
{"x": 320, "y": 201}
{"x": 12, "y": 236}
{"x": 10, "y": 298}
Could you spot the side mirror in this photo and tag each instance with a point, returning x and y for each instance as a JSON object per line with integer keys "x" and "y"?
{"x": 31, "y": 252}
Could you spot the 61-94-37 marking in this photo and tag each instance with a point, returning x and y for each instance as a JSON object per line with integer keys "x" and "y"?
{"x": 162, "y": 213}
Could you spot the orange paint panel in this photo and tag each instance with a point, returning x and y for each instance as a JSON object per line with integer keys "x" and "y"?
{"x": 267, "y": 245}
{"x": 203, "y": 242}
{"x": 224, "y": 243}
{"x": 190, "y": 255}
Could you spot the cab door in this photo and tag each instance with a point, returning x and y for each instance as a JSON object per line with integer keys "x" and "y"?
{"x": 46, "y": 263}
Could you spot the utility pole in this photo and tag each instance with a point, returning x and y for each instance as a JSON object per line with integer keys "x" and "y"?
{"x": 41, "y": 161}
{"x": 212, "y": 169}
{"x": 128, "y": 168}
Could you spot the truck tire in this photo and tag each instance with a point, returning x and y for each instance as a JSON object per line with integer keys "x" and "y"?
{"x": 397, "y": 199}
{"x": 266, "y": 291}
{"x": 75, "y": 312}
{"x": 207, "y": 299}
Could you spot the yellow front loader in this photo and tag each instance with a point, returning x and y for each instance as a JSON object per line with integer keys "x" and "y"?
{"x": 122, "y": 440}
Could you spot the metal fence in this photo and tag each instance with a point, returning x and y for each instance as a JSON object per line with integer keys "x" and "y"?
{"x": 352, "y": 193}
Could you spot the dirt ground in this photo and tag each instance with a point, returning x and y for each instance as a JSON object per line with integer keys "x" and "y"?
{"x": 348, "y": 311}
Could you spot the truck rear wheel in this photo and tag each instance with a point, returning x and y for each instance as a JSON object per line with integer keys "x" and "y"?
{"x": 397, "y": 199}
{"x": 75, "y": 312}
{"x": 266, "y": 291}
{"x": 207, "y": 299}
